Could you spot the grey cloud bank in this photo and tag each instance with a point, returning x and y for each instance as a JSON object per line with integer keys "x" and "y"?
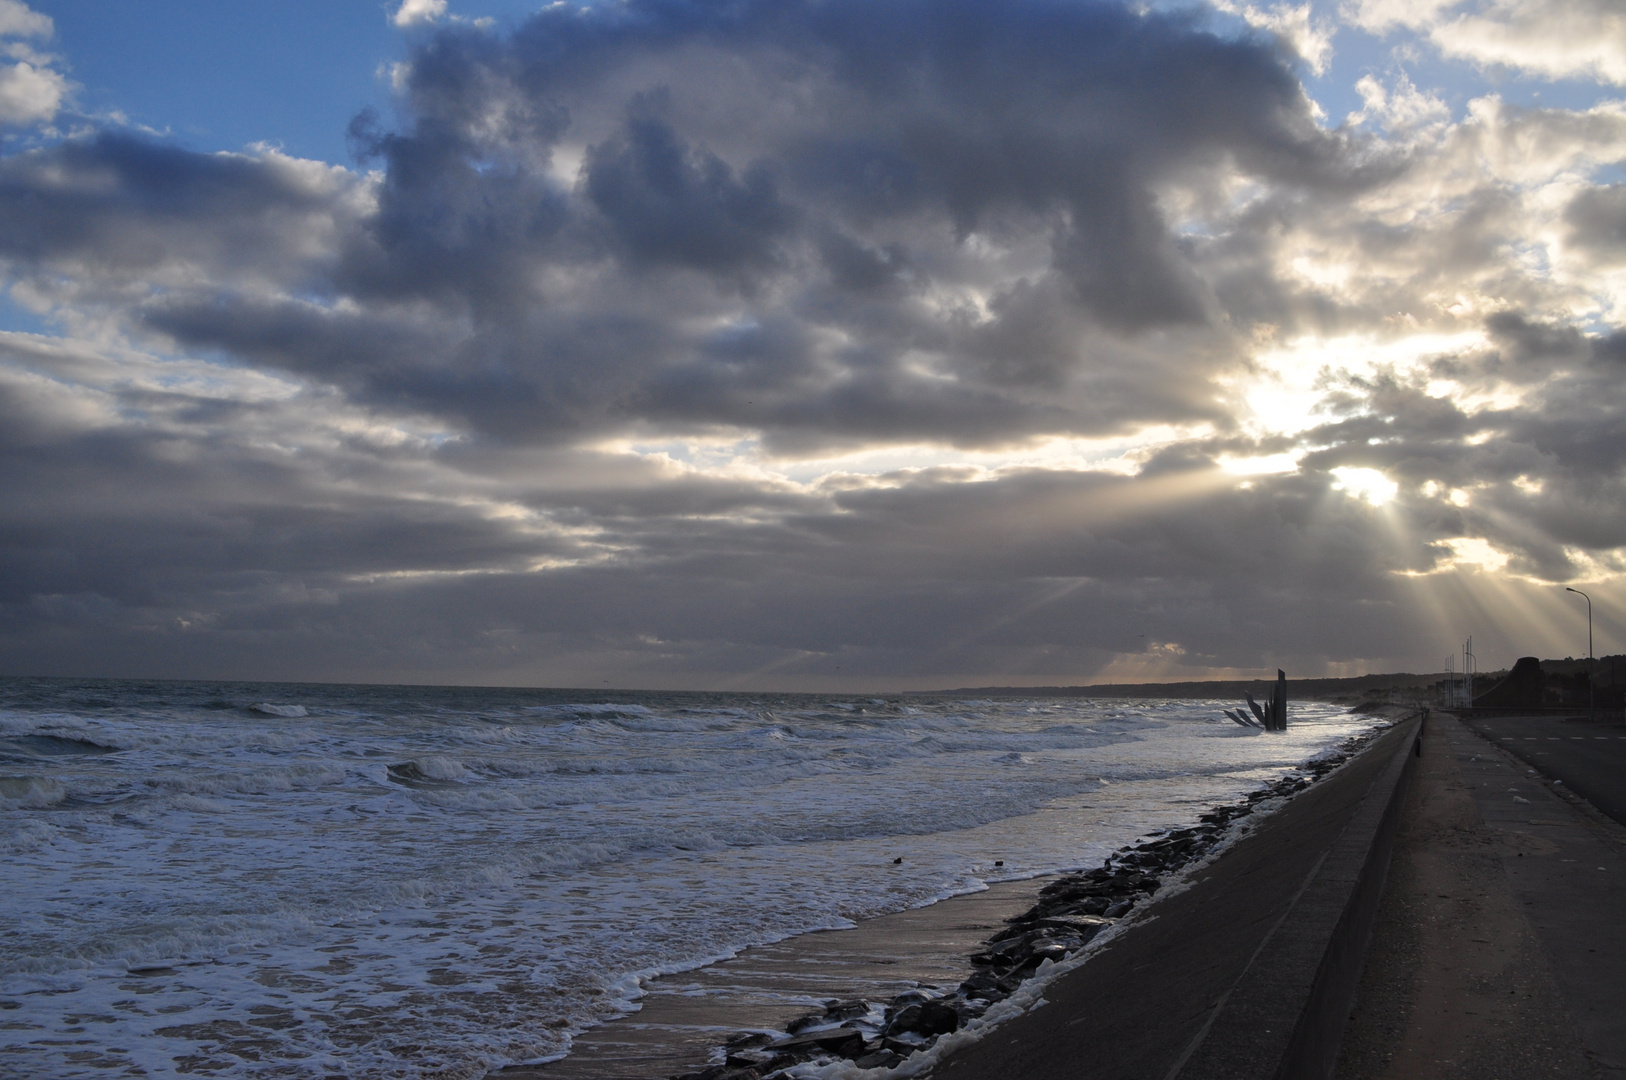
{"x": 818, "y": 345}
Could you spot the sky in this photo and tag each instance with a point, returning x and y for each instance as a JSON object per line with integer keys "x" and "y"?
{"x": 846, "y": 345}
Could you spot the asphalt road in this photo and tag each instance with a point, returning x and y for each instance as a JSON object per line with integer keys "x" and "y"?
{"x": 1590, "y": 758}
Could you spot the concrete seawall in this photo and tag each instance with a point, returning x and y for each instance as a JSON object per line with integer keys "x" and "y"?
{"x": 1249, "y": 972}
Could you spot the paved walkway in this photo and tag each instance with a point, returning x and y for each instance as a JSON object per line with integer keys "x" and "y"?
{"x": 1500, "y": 946}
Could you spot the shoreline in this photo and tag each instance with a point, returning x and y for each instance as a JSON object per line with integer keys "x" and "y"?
{"x": 1012, "y": 939}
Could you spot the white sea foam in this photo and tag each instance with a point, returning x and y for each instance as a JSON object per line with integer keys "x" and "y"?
{"x": 414, "y": 882}
{"x": 30, "y": 791}
{"x": 267, "y": 709}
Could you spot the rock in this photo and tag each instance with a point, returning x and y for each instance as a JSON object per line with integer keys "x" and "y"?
{"x": 845, "y": 1010}
{"x": 749, "y": 1038}
{"x": 880, "y": 1059}
{"x": 762, "y": 1060}
{"x": 908, "y": 997}
{"x": 1009, "y": 983}
{"x": 1069, "y": 912}
{"x": 721, "y": 1072}
{"x": 985, "y": 986}
{"x": 1049, "y": 950}
{"x": 802, "y": 1023}
{"x": 840, "y": 1040}
{"x": 904, "y": 1021}
{"x": 931, "y": 1018}
{"x": 1087, "y": 926}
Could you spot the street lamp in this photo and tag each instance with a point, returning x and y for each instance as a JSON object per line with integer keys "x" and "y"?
{"x": 1591, "y": 711}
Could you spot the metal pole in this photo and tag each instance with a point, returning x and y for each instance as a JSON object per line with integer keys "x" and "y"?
{"x": 1591, "y": 708}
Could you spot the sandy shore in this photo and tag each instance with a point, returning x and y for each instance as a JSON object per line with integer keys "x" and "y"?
{"x": 686, "y": 1016}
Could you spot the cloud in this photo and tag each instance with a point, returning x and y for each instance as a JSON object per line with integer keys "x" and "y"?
{"x": 418, "y": 12}
{"x": 1553, "y": 38}
{"x": 31, "y": 91}
{"x": 769, "y": 223}
{"x": 780, "y": 344}
{"x": 1310, "y": 39}
{"x": 19, "y": 20}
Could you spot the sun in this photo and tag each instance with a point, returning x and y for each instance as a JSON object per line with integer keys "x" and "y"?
{"x": 1368, "y": 484}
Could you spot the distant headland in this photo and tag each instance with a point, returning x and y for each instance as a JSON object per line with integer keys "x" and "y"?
{"x": 1398, "y": 686}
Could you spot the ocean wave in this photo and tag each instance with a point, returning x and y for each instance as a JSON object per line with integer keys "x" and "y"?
{"x": 428, "y": 770}
{"x": 30, "y": 792}
{"x": 40, "y": 745}
{"x": 253, "y": 779}
{"x": 266, "y": 708}
{"x": 28, "y": 835}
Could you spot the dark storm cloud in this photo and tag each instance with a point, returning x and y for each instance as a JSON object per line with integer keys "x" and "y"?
{"x": 113, "y": 209}
{"x": 825, "y": 222}
{"x": 1597, "y": 222}
{"x": 922, "y": 579}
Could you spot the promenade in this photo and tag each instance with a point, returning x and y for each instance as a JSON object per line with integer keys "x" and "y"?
{"x": 1497, "y": 952}
{"x": 1499, "y": 949}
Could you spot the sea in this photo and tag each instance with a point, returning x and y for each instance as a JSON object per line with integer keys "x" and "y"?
{"x": 280, "y": 880}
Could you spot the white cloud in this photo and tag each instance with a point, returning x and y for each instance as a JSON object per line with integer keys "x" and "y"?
{"x": 18, "y": 20}
{"x": 1556, "y": 38}
{"x": 31, "y": 92}
{"x": 1562, "y": 39}
{"x": 1400, "y": 108}
{"x": 413, "y": 12}
{"x": 1311, "y": 40}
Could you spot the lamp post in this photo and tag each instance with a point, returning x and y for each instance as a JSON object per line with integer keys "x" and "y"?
{"x": 1591, "y": 711}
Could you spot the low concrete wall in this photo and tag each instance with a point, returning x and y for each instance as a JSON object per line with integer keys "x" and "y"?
{"x": 1285, "y": 1016}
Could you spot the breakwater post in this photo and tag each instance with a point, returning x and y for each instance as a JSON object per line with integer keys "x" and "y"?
{"x": 1273, "y": 716}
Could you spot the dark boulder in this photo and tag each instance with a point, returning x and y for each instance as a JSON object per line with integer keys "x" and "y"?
{"x": 842, "y": 1041}
{"x": 845, "y": 1010}
{"x": 931, "y": 1018}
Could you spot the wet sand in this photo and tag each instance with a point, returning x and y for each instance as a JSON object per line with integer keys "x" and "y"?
{"x": 686, "y": 1016}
